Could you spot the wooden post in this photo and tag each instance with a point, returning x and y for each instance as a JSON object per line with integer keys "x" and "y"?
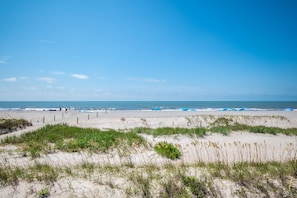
{"x": 77, "y": 120}
{"x": 97, "y": 114}
{"x": 88, "y": 116}
{"x": 54, "y": 118}
{"x": 43, "y": 120}
{"x": 62, "y": 114}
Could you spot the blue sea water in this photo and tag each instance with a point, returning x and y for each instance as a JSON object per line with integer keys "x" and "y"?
{"x": 152, "y": 105}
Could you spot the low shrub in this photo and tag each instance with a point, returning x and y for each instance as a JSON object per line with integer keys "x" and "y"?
{"x": 167, "y": 150}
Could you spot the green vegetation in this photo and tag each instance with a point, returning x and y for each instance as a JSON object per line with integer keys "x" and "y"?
{"x": 41, "y": 172}
{"x": 261, "y": 176}
{"x": 72, "y": 139}
{"x": 197, "y": 188}
{"x": 9, "y": 125}
{"x": 225, "y": 126}
{"x": 226, "y": 129}
{"x": 200, "y": 132}
{"x": 167, "y": 150}
{"x": 270, "y": 179}
{"x": 265, "y": 179}
{"x": 43, "y": 193}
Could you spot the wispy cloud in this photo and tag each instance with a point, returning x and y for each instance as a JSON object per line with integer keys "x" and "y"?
{"x": 46, "y": 41}
{"x": 3, "y": 59}
{"x": 12, "y": 79}
{"x": 46, "y": 79}
{"x": 148, "y": 80}
{"x": 58, "y": 73}
{"x": 24, "y": 78}
{"x": 59, "y": 87}
{"x": 31, "y": 88}
{"x": 79, "y": 76}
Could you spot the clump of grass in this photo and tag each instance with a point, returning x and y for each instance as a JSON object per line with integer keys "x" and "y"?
{"x": 222, "y": 121}
{"x": 197, "y": 188}
{"x": 225, "y": 126}
{"x": 167, "y": 150}
{"x": 174, "y": 188}
{"x": 9, "y": 125}
{"x": 255, "y": 175}
{"x": 42, "y": 172}
{"x": 10, "y": 176}
{"x": 43, "y": 193}
{"x": 72, "y": 139}
{"x": 145, "y": 185}
{"x": 182, "y": 185}
{"x": 221, "y": 125}
{"x": 200, "y": 132}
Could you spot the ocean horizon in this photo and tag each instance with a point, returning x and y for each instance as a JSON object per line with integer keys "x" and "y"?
{"x": 151, "y": 105}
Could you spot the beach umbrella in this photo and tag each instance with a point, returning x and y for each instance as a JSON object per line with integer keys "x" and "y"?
{"x": 156, "y": 109}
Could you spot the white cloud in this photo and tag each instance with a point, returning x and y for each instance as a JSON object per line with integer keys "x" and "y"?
{"x": 79, "y": 76}
{"x": 12, "y": 79}
{"x": 46, "y": 41}
{"x": 2, "y": 62}
{"x": 46, "y": 79}
{"x": 149, "y": 80}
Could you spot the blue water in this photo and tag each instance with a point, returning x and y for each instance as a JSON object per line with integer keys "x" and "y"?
{"x": 149, "y": 105}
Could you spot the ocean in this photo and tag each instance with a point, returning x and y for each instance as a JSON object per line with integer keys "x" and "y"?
{"x": 150, "y": 105}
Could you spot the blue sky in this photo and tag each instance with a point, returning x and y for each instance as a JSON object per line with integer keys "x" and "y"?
{"x": 148, "y": 50}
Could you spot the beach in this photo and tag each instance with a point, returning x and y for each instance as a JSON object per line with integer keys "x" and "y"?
{"x": 236, "y": 147}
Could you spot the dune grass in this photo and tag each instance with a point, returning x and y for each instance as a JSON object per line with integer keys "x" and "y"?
{"x": 274, "y": 179}
{"x": 41, "y": 172}
{"x": 9, "y": 125}
{"x": 226, "y": 125}
{"x": 267, "y": 179}
{"x": 223, "y": 125}
{"x": 226, "y": 129}
{"x": 72, "y": 139}
{"x": 199, "y": 132}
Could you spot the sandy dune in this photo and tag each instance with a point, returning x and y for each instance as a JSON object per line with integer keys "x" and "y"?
{"x": 236, "y": 147}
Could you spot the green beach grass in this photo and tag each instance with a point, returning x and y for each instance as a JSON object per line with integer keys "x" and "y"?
{"x": 9, "y": 125}
{"x": 72, "y": 139}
